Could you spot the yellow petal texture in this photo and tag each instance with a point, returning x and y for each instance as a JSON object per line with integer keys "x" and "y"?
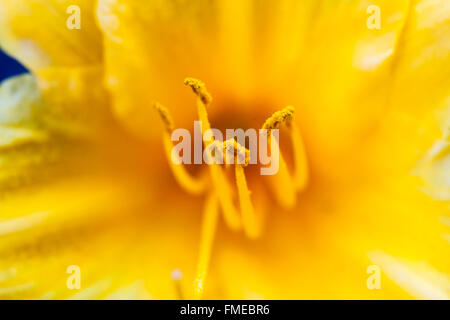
{"x": 421, "y": 280}
{"x": 75, "y": 101}
{"x": 24, "y": 144}
{"x": 66, "y": 61}
{"x": 46, "y": 237}
{"x": 418, "y": 93}
{"x": 35, "y": 144}
{"x": 324, "y": 249}
{"x": 55, "y": 190}
{"x": 19, "y": 99}
{"x": 36, "y": 33}
{"x": 317, "y": 55}
{"x": 423, "y": 65}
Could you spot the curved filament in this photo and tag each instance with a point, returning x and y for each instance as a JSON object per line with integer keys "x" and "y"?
{"x": 209, "y": 226}
{"x": 219, "y": 180}
{"x": 184, "y": 179}
{"x": 283, "y": 184}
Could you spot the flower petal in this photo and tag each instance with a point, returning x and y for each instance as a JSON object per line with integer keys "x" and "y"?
{"x": 422, "y": 75}
{"x": 36, "y": 33}
{"x": 19, "y": 99}
{"x": 75, "y": 102}
{"x": 151, "y": 46}
{"x": 30, "y": 148}
{"x": 102, "y": 226}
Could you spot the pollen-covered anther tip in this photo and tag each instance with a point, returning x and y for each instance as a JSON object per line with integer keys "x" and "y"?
{"x": 282, "y": 116}
{"x": 233, "y": 147}
{"x": 199, "y": 89}
{"x": 165, "y": 116}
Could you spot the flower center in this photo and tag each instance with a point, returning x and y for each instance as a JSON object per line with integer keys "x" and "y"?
{"x": 220, "y": 195}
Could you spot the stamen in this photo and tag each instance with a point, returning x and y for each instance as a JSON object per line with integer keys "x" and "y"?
{"x": 199, "y": 89}
{"x": 223, "y": 189}
{"x": 251, "y": 225}
{"x": 283, "y": 116}
{"x": 219, "y": 180}
{"x": 240, "y": 152}
{"x": 204, "y": 99}
{"x": 282, "y": 184}
{"x": 301, "y": 173}
{"x": 165, "y": 116}
{"x": 209, "y": 226}
{"x": 184, "y": 179}
{"x": 287, "y": 194}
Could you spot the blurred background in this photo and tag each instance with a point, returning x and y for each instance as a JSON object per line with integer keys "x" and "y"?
{"x": 9, "y": 66}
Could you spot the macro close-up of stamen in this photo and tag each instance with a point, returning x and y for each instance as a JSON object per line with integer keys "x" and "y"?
{"x": 205, "y": 151}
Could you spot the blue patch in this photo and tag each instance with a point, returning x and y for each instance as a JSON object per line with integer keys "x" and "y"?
{"x": 9, "y": 66}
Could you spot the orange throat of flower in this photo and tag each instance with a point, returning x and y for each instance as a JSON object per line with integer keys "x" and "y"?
{"x": 217, "y": 188}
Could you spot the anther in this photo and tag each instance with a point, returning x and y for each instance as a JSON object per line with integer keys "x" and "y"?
{"x": 282, "y": 116}
{"x": 233, "y": 147}
{"x": 199, "y": 89}
{"x": 282, "y": 183}
{"x": 165, "y": 116}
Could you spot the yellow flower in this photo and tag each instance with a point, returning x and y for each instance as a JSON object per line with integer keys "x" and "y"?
{"x": 364, "y": 162}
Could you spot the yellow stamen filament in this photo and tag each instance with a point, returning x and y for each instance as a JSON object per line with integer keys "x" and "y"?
{"x": 220, "y": 183}
{"x": 209, "y": 226}
{"x": 231, "y": 146}
{"x": 184, "y": 179}
{"x": 165, "y": 116}
{"x": 223, "y": 188}
{"x": 239, "y": 152}
{"x": 249, "y": 219}
{"x": 300, "y": 161}
{"x": 282, "y": 184}
{"x": 287, "y": 194}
